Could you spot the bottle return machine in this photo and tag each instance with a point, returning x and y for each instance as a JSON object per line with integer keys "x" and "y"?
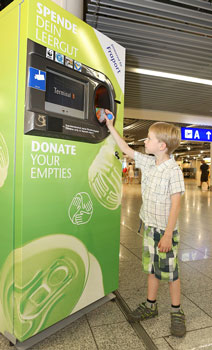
{"x": 60, "y": 170}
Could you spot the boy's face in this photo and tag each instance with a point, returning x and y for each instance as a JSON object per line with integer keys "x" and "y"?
{"x": 152, "y": 145}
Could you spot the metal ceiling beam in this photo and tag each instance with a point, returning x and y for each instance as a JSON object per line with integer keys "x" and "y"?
{"x": 131, "y": 16}
{"x": 158, "y": 13}
{"x": 157, "y": 33}
{"x": 181, "y": 58}
{"x": 195, "y": 3}
{"x": 158, "y": 6}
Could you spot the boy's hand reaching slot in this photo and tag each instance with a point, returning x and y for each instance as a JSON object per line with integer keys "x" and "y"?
{"x": 109, "y": 117}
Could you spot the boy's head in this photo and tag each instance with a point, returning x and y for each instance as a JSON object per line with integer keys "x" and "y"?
{"x": 167, "y": 133}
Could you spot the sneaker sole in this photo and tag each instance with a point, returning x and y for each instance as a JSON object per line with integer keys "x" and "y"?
{"x": 179, "y": 335}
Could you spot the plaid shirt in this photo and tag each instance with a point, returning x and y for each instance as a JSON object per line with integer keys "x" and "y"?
{"x": 159, "y": 182}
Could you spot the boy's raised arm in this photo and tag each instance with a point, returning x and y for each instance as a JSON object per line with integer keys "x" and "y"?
{"x": 119, "y": 140}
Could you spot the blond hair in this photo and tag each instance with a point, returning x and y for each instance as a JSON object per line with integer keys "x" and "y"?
{"x": 168, "y": 133}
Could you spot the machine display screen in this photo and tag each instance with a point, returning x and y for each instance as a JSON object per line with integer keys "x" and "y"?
{"x": 65, "y": 95}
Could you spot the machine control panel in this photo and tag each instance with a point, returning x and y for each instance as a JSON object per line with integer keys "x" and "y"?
{"x": 63, "y": 96}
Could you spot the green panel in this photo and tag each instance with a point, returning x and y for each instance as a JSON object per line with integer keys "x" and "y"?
{"x": 9, "y": 29}
{"x": 67, "y": 193}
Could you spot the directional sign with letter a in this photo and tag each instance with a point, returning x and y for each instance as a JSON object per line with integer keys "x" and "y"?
{"x": 37, "y": 79}
{"x": 196, "y": 134}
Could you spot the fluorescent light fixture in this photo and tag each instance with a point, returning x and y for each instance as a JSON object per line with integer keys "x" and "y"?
{"x": 169, "y": 75}
{"x": 143, "y": 139}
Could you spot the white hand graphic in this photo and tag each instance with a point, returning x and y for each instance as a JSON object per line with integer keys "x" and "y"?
{"x": 80, "y": 209}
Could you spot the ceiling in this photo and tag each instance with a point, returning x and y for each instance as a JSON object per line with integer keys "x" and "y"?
{"x": 173, "y": 36}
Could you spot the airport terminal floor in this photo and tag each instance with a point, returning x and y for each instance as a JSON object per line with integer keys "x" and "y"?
{"x": 107, "y": 327}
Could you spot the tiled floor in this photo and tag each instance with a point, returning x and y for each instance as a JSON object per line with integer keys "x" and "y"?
{"x": 107, "y": 328}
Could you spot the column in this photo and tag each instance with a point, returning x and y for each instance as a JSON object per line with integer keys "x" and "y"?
{"x": 75, "y": 7}
{"x": 211, "y": 166}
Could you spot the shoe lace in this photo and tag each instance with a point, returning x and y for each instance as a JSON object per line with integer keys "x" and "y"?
{"x": 178, "y": 318}
{"x": 144, "y": 309}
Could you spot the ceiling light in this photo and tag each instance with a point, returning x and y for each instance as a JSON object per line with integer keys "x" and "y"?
{"x": 143, "y": 139}
{"x": 188, "y": 148}
{"x": 169, "y": 75}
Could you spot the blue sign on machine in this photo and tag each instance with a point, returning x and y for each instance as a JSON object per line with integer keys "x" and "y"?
{"x": 37, "y": 79}
{"x": 196, "y": 134}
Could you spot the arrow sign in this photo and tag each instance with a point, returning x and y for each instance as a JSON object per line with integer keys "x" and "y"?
{"x": 208, "y": 133}
{"x": 196, "y": 134}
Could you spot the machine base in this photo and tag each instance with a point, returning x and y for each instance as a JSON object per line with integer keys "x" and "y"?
{"x": 59, "y": 325}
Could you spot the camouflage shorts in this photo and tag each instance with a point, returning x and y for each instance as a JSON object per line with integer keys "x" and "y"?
{"x": 163, "y": 265}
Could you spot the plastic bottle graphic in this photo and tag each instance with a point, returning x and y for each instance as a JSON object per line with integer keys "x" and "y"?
{"x": 4, "y": 160}
{"x": 50, "y": 276}
{"x": 104, "y": 176}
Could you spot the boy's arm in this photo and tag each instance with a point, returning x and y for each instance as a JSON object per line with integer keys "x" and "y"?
{"x": 119, "y": 140}
{"x": 165, "y": 243}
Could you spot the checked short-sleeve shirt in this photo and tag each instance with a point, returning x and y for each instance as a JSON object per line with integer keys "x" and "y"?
{"x": 159, "y": 182}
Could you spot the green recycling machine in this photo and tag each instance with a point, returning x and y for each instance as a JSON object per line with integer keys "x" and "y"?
{"x": 60, "y": 170}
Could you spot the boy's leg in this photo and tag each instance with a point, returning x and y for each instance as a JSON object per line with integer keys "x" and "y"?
{"x": 178, "y": 327}
{"x": 174, "y": 289}
{"x": 167, "y": 267}
{"x": 153, "y": 284}
{"x": 149, "y": 308}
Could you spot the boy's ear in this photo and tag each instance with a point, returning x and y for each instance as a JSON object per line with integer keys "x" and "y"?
{"x": 163, "y": 146}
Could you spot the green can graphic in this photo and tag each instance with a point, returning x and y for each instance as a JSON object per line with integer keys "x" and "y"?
{"x": 52, "y": 272}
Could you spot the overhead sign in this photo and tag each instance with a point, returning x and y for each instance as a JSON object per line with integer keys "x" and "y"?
{"x": 196, "y": 134}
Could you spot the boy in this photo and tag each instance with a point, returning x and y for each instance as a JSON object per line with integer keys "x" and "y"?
{"x": 162, "y": 187}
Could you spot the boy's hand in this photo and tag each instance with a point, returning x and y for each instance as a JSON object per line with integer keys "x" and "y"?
{"x": 109, "y": 122}
{"x": 165, "y": 244}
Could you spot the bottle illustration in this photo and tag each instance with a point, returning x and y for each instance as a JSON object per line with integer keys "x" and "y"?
{"x": 104, "y": 176}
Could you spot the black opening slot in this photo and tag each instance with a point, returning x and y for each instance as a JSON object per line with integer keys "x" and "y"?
{"x": 54, "y": 124}
{"x": 102, "y": 97}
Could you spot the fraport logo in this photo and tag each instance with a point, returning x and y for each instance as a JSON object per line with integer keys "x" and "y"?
{"x": 37, "y": 79}
{"x": 196, "y": 134}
